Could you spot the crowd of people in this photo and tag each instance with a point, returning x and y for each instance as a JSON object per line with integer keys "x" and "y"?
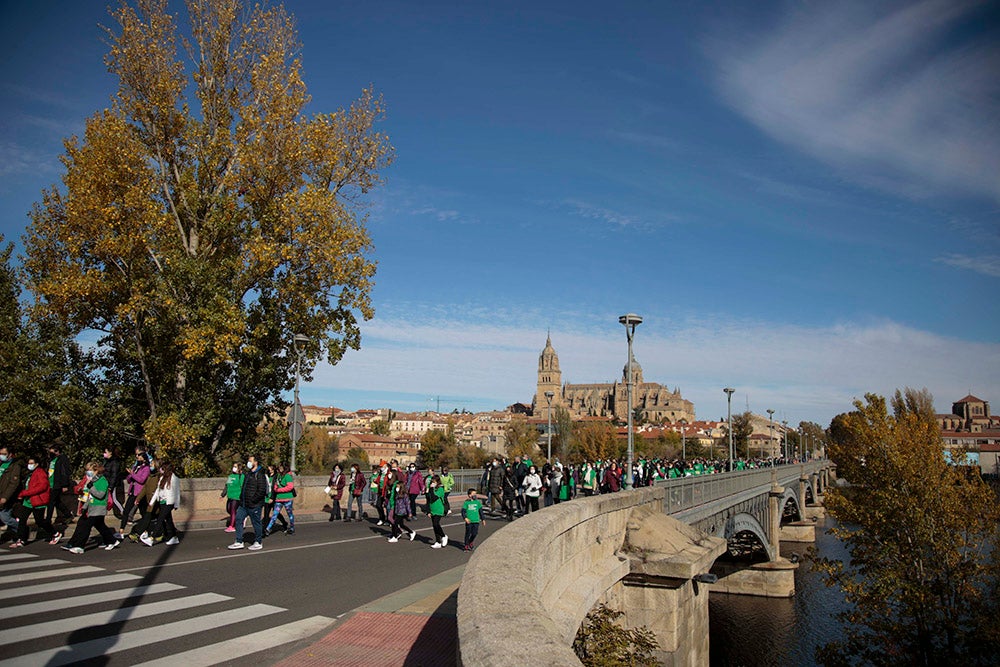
{"x": 263, "y": 495}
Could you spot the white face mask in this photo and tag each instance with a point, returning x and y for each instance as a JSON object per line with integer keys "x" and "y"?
{"x": 90, "y": 474}
{"x": 4, "y": 458}
{"x": 236, "y": 468}
{"x": 32, "y": 466}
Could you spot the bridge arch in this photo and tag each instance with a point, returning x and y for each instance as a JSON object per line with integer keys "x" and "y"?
{"x": 788, "y": 506}
{"x": 744, "y": 534}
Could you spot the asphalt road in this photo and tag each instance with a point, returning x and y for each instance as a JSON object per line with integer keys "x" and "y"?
{"x": 325, "y": 570}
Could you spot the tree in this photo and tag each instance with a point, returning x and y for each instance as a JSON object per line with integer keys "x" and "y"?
{"x": 562, "y": 439}
{"x": 922, "y": 578}
{"x": 204, "y": 219}
{"x": 596, "y": 441}
{"x": 521, "y": 438}
{"x": 433, "y": 444}
{"x": 602, "y": 642}
{"x": 356, "y": 455}
{"x": 379, "y": 427}
{"x": 742, "y": 430}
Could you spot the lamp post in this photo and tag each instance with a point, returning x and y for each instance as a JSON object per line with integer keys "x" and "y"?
{"x": 684, "y": 449}
{"x": 548, "y": 398}
{"x": 298, "y": 417}
{"x": 729, "y": 417}
{"x": 770, "y": 434}
{"x": 784, "y": 432}
{"x": 630, "y": 321}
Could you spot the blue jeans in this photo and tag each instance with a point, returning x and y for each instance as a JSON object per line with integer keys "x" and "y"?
{"x": 243, "y": 512}
{"x": 7, "y": 517}
{"x": 350, "y": 509}
{"x": 278, "y": 506}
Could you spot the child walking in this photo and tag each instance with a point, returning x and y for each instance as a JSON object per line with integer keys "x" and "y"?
{"x": 472, "y": 512}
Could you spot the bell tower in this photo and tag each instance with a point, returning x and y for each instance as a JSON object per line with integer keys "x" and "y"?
{"x": 549, "y": 379}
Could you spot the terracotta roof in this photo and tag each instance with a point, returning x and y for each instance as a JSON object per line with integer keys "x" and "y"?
{"x": 970, "y": 399}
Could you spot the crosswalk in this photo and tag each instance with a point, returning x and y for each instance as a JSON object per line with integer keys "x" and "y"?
{"x": 54, "y": 612}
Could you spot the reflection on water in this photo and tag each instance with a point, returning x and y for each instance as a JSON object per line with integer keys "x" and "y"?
{"x": 749, "y": 631}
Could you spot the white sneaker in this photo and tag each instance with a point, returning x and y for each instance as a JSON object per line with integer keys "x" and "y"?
{"x": 413, "y": 534}
{"x": 256, "y": 546}
{"x": 235, "y": 545}
{"x": 144, "y": 535}
{"x": 172, "y": 541}
{"x": 380, "y": 523}
{"x": 393, "y": 539}
{"x": 148, "y": 541}
{"x": 444, "y": 541}
{"x": 75, "y": 550}
{"x": 112, "y": 546}
{"x": 436, "y": 545}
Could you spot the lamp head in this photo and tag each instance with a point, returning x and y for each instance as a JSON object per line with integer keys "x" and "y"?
{"x": 549, "y": 395}
{"x": 630, "y": 320}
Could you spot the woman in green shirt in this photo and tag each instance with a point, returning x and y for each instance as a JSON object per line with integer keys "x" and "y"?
{"x": 284, "y": 491}
{"x": 435, "y": 502}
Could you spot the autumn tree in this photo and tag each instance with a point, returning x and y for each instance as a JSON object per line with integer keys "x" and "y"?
{"x": 922, "y": 577}
{"x": 742, "y": 430}
{"x": 596, "y": 441}
{"x": 205, "y": 218}
{"x": 521, "y": 438}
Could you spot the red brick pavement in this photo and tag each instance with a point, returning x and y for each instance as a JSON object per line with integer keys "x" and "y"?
{"x": 369, "y": 639}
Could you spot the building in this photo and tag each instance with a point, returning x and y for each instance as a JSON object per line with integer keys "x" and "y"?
{"x": 610, "y": 400}
{"x": 971, "y": 429}
{"x": 380, "y": 447}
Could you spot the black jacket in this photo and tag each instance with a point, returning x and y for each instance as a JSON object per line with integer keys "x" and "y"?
{"x": 254, "y": 488}
{"x": 11, "y": 482}
{"x": 61, "y": 474}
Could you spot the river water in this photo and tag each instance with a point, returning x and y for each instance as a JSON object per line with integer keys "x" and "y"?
{"x": 751, "y": 631}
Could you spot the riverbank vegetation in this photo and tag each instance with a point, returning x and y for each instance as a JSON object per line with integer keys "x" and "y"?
{"x": 922, "y": 579}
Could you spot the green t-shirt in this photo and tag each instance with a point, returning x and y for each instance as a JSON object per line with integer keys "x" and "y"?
{"x": 234, "y": 485}
{"x": 436, "y": 496}
{"x": 99, "y": 491}
{"x": 284, "y": 481}
{"x": 471, "y": 509}
{"x": 447, "y": 482}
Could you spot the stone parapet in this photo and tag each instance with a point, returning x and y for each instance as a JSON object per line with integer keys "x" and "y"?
{"x": 200, "y": 496}
{"x": 534, "y": 581}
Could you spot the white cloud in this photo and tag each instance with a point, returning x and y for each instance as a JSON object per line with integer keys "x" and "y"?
{"x": 988, "y": 265}
{"x": 804, "y": 373}
{"x": 890, "y": 93}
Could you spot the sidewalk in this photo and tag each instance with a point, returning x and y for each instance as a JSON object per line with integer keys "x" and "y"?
{"x": 414, "y": 627}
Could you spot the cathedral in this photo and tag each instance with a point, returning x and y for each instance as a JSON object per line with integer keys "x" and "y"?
{"x": 658, "y": 404}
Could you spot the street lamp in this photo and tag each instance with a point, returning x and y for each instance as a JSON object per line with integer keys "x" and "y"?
{"x": 770, "y": 434}
{"x": 729, "y": 417}
{"x": 784, "y": 432}
{"x": 298, "y": 417}
{"x": 548, "y": 398}
{"x": 631, "y": 321}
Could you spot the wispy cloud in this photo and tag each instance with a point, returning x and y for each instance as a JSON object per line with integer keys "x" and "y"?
{"x": 612, "y": 218}
{"x": 893, "y": 94}
{"x": 441, "y": 215}
{"x": 988, "y": 265}
{"x": 802, "y": 372}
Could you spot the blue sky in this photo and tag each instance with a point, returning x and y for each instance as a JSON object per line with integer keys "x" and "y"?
{"x": 800, "y": 199}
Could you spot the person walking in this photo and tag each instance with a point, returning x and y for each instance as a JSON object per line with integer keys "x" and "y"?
{"x": 147, "y": 510}
{"x": 60, "y": 484}
{"x": 284, "y": 493}
{"x": 414, "y": 488}
{"x": 231, "y": 492}
{"x": 271, "y": 473}
{"x": 532, "y": 486}
{"x": 447, "y": 484}
{"x": 97, "y": 490}
{"x": 335, "y": 489}
{"x": 435, "y": 503}
{"x": 251, "y": 500}
{"x": 134, "y": 481}
{"x": 34, "y": 499}
{"x": 356, "y": 489}
{"x": 166, "y": 498}
{"x": 472, "y": 510}
{"x": 11, "y": 471}
{"x": 495, "y": 483}
{"x": 399, "y": 504}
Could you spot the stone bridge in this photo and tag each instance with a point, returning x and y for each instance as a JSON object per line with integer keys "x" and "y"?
{"x": 647, "y": 552}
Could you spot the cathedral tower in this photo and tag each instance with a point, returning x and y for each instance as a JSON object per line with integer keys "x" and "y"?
{"x": 549, "y": 379}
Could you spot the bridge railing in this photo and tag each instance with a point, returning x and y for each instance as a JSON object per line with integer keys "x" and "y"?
{"x": 687, "y": 492}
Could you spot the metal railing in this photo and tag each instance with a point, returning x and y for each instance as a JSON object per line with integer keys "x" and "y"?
{"x": 687, "y": 492}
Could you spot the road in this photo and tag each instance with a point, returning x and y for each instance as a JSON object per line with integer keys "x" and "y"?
{"x": 206, "y": 604}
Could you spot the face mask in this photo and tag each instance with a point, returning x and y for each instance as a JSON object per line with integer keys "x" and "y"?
{"x": 4, "y": 458}
{"x": 107, "y": 455}
{"x": 90, "y": 474}
{"x": 532, "y": 471}
{"x": 250, "y": 465}
{"x": 32, "y": 466}
{"x": 236, "y": 469}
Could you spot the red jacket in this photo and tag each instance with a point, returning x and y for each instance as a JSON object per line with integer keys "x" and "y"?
{"x": 37, "y": 489}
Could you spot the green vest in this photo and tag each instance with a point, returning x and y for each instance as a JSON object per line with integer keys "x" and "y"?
{"x": 436, "y": 501}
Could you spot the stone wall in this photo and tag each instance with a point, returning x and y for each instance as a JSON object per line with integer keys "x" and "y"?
{"x": 200, "y": 497}
{"x": 534, "y": 581}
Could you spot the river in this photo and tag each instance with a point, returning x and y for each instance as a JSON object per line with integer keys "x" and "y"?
{"x": 750, "y": 631}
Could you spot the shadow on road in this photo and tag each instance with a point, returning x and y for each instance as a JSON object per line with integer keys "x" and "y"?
{"x": 437, "y": 643}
